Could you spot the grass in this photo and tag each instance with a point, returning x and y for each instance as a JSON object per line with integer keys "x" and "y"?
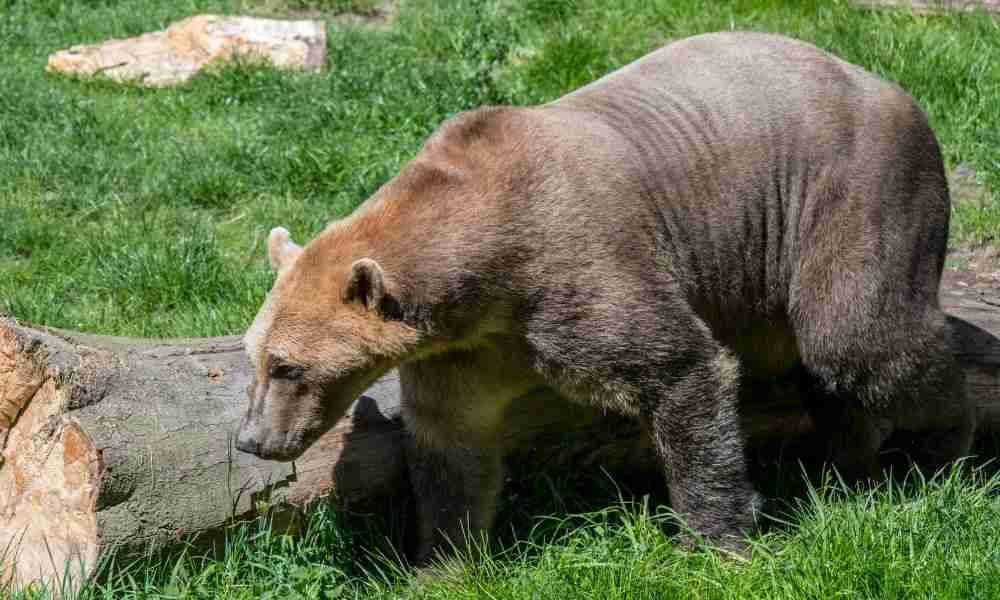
{"x": 919, "y": 539}
{"x": 143, "y": 212}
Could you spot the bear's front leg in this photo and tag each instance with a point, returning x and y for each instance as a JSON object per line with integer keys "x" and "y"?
{"x": 696, "y": 433}
{"x": 454, "y": 407}
{"x": 455, "y": 491}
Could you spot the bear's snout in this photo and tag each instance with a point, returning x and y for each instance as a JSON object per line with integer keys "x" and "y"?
{"x": 247, "y": 442}
{"x": 263, "y": 443}
{"x": 252, "y": 438}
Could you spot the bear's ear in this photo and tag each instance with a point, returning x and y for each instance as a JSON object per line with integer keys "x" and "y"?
{"x": 366, "y": 284}
{"x": 281, "y": 250}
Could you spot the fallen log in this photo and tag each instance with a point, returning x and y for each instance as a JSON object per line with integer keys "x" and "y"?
{"x": 127, "y": 443}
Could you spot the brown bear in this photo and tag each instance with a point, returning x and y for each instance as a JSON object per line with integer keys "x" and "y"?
{"x": 732, "y": 205}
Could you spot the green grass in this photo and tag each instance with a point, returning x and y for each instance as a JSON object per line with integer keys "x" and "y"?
{"x": 143, "y": 212}
{"x": 917, "y": 540}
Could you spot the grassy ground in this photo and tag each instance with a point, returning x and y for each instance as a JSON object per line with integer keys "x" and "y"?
{"x": 913, "y": 541}
{"x": 143, "y": 212}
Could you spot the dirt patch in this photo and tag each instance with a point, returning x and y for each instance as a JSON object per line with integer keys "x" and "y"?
{"x": 975, "y": 265}
{"x": 980, "y": 262}
{"x": 972, "y": 265}
{"x": 380, "y": 16}
{"x": 977, "y": 280}
{"x": 376, "y": 14}
{"x": 965, "y": 189}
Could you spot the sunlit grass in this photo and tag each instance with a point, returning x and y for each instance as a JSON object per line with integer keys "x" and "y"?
{"x": 96, "y": 177}
{"x": 143, "y": 212}
{"x": 919, "y": 539}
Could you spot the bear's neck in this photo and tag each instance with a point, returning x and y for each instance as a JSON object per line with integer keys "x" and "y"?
{"x": 447, "y": 228}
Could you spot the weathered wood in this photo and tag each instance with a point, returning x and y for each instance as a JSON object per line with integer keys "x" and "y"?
{"x": 121, "y": 442}
{"x": 115, "y": 442}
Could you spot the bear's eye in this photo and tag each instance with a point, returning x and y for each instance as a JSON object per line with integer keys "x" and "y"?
{"x": 286, "y": 371}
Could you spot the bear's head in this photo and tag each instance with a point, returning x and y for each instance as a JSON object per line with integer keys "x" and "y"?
{"x": 330, "y": 327}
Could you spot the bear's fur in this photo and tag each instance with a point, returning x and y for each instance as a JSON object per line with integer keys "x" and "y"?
{"x": 731, "y": 205}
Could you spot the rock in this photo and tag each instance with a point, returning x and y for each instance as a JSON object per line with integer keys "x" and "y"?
{"x": 164, "y": 58}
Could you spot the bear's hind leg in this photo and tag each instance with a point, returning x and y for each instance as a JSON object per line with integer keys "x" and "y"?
{"x": 849, "y": 437}
{"x": 947, "y": 426}
{"x": 938, "y": 448}
{"x": 883, "y": 365}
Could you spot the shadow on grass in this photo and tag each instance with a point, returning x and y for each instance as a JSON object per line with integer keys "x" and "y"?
{"x": 326, "y": 548}
{"x": 537, "y": 505}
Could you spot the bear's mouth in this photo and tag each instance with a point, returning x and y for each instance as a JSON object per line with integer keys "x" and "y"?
{"x": 294, "y": 446}
{"x": 283, "y": 453}
{"x": 283, "y": 449}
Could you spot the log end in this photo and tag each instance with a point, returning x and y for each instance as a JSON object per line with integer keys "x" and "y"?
{"x": 49, "y": 475}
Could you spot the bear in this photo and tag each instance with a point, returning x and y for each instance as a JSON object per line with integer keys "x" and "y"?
{"x": 733, "y": 205}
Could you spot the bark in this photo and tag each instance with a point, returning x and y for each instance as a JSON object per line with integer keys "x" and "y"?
{"x": 128, "y": 443}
